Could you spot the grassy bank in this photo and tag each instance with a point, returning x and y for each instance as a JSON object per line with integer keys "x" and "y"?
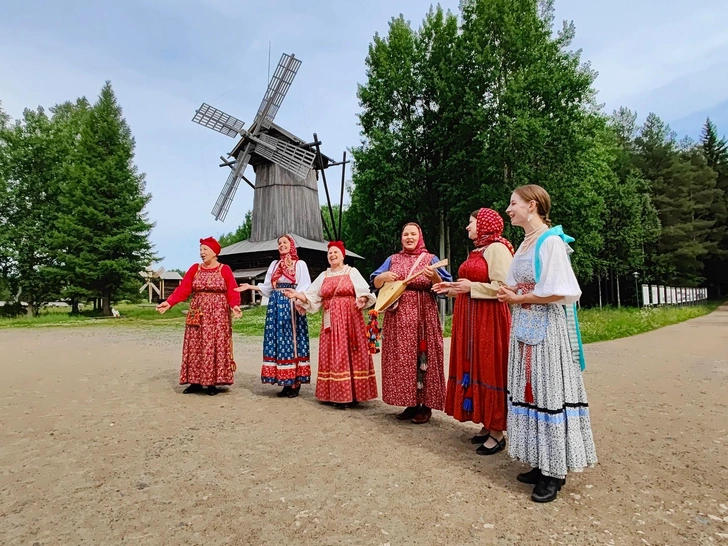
{"x": 596, "y": 324}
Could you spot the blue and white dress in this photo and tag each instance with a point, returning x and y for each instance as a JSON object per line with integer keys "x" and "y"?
{"x": 548, "y": 413}
{"x": 286, "y": 354}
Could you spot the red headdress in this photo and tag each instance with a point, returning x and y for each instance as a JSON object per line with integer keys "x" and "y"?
{"x": 420, "y": 248}
{"x": 212, "y": 243}
{"x": 490, "y": 229}
{"x": 340, "y": 246}
{"x": 286, "y": 263}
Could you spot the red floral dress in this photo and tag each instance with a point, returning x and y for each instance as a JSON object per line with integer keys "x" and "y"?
{"x": 414, "y": 320}
{"x": 477, "y": 381}
{"x": 345, "y": 367}
{"x": 207, "y": 352}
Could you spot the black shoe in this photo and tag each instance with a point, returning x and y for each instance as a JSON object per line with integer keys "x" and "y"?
{"x": 340, "y": 406}
{"x": 285, "y": 392}
{"x": 531, "y": 477}
{"x": 407, "y": 414}
{"x": 475, "y": 440}
{"x": 293, "y": 392}
{"x": 193, "y": 388}
{"x": 497, "y": 448}
{"x": 212, "y": 390}
{"x": 547, "y": 489}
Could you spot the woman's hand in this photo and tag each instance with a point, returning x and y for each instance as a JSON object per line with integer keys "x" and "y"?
{"x": 361, "y": 301}
{"x": 442, "y": 288}
{"x": 461, "y": 286}
{"x": 387, "y": 276}
{"x": 299, "y": 308}
{"x": 291, "y": 294}
{"x": 506, "y": 295}
{"x": 431, "y": 273}
{"x": 243, "y": 287}
{"x": 163, "y": 307}
{"x": 237, "y": 313}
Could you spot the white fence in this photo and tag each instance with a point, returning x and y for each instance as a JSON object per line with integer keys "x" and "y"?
{"x": 653, "y": 294}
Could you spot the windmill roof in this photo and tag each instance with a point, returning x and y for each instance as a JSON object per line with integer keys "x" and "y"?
{"x": 171, "y": 276}
{"x": 247, "y": 246}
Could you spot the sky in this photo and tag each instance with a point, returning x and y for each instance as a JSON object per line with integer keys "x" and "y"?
{"x": 165, "y": 58}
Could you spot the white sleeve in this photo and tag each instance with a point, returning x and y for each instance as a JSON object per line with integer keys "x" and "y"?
{"x": 557, "y": 276}
{"x": 361, "y": 287}
{"x": 303, "y": 278}
{"x": 267, "y": 287}
{"x": 313, "y": 294}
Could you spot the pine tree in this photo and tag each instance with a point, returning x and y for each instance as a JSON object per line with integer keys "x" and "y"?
{"x": 103, "y": 228}
{"x": 715, "y": 150}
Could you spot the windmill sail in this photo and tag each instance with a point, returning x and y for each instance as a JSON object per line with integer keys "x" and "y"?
{"x": 225, "y": 199}
{"x": 278, "y": 87}
{"x": 217, "y": 120}
{"x": 293, "y": 158}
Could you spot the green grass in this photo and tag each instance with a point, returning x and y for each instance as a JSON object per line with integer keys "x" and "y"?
{"x": 612, "y": 323}
{"x": 596, "y": 324}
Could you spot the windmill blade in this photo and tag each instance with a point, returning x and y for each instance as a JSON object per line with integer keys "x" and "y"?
{"x": 278, "y": 86}
{"x": 143, "y": 288}
{"x": 217, "y": 120}
{"x": 154, "y": 286}
{"x": 292, "y": 158}
{"x": 222, "y": 205}
{"x": 158, "y": 272}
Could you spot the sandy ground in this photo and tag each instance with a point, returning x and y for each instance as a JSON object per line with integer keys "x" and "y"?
{"x": 98, "y": 446}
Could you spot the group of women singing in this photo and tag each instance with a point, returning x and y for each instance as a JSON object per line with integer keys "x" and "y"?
{"x": 516, "y": 359}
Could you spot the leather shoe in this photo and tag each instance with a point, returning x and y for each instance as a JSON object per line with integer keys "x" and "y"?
{"x": 423, "y": 416}
{"x": 497, "y": 448}
{"x": 475, "y": 440}
{"x": 193, "y": 388}
{"x": 547, "y": 489}
{"x": 285, "y": 392}
{"x": 532, "y": 477}
{"x": 407, "y": 414}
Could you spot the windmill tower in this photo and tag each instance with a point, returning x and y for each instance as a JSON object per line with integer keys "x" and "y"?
{"x": 286, "y": 182}
{"x": 286, "y": 187}
{"x": 151, "y": 277}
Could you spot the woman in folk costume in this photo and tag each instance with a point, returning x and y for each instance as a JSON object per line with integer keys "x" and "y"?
{"x": 345, "y": 368}
{"x": 412, "y": 352}
{"x": 207, "y": 352}
{"x": 286, "y": 359}
{"x": 476, "y": 388}
{"x": 548, "y": 417}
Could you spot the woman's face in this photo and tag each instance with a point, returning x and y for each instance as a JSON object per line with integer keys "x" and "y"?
{"x": 473, "y": 228}
{"x": 519, "y": 209}
{"x": 284, "y": 245}
{"x": 206, "y": 254}
{"x": 410, "y": 237}
{"x": 336, "y": 258}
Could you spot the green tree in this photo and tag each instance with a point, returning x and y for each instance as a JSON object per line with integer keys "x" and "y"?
{"x": 241, "y": 234}
{"x": 103, "y": 227}
{"x": 34, "y": 160}
{"x": 715, "y": 150}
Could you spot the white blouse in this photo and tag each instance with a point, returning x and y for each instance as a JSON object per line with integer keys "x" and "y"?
{"x": 303, "y": 278}
{"x": 557, "y": 275}
{"x": 361, "y": 288}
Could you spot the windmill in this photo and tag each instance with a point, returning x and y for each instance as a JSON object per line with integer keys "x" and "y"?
{"x": 286, "y": 188}
{"x": 150, "y": 276}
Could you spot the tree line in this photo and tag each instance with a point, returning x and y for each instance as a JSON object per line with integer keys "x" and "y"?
{"x": 458, "y": 112}
{"x": 73, "y": 224}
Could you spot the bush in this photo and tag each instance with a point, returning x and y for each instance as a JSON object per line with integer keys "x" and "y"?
{"x": 12, "y": 309}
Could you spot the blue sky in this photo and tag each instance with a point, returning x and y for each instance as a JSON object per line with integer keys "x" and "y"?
{"x": 165, "y": 57}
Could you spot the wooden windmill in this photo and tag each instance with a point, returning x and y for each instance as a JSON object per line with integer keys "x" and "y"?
{"x": 286, "y": 189}
{"x": 151, "y": 277}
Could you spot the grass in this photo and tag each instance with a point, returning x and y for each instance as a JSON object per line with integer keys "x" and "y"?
{"x": 596, "y": 324}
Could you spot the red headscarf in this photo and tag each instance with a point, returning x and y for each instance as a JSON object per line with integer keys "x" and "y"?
{"x": 213, "y": 244}
{"x": 490, "y": 229}
{"x": 286, "y": 263}
{"x": 340, "y": 246}
{"x": 420, "y": 248}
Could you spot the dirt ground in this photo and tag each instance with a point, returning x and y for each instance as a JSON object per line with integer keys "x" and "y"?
{"x": 98, "y": 446}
